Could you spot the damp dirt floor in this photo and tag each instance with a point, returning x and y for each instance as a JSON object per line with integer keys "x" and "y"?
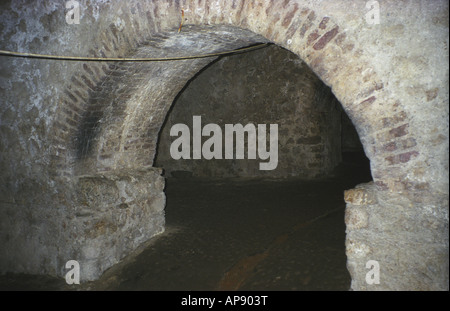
{"x": 237, "y": 234}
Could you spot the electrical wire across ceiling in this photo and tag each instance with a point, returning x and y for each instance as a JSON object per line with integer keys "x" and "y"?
{"x": 125, "y": 59}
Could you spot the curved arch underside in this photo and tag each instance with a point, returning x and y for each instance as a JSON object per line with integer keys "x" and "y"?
{"x": 340, "y": 55}
{"x": 133, "y": 101}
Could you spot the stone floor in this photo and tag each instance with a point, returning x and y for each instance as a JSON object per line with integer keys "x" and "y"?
{"x": 241, "y": 234}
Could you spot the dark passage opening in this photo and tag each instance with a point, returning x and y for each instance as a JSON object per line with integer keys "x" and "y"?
{"x": 232, "y": 226}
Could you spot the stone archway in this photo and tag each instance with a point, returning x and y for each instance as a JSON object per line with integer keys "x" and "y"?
{"x": 106, "y": 120}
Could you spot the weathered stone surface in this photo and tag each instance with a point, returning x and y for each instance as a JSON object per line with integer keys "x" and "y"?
{"x": 356, "y": 218}
{"x": 363, "y": 194}
{"x": 268, "y": 86}
{"x": 117, "y": 212}
{"x": 391, "y": 79}
{"x": 99, "y": 220}
{"x": 401, "y": 235}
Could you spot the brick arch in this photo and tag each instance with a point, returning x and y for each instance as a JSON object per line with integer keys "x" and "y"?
{"x": 115, "y": 100}
{"x": 316, "y": 37}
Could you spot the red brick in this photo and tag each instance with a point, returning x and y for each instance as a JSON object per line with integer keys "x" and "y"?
{"x": 401, "y": 158}
{"x": 293, "y": 28}
{"x": 399, "y": 131}
{"x": 77, "y": 82}
{"x": 71, "y": 96}
{"x": 105, "y": 69}
{"x": 391, "y": 121}
{"x": 74, "y": 107}
{"x": 288, "y": 17}
{"x": 88, "y": 82}
{"x": 367, "y": 102}
{"x": 312, "y": 37}
{"x": 78, "y": 93}
{"x": 392, "y": 160}
{"x": 323, "y": 23}
{"x": 308, "y": 23}
{"x": 268, "y": 9}
{"x": 432, "y": 94}
{"x": 88, "y": 70}
{"x": 405, "y": 157}
{"x": 114, "y": 29}
{"x": 390, "y": 147}
{"x": 240, "y": 9}
{"x": 326, "y": 38}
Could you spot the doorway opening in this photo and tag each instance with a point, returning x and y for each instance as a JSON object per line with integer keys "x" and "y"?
{"x": 232, "y": 226}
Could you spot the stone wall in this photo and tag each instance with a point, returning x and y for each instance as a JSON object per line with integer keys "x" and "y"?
{"x": 99, "y": 220}
{"x": 391, "y": 79}
{"x": 267, "y": 86}
{"x": 399, "y": 235}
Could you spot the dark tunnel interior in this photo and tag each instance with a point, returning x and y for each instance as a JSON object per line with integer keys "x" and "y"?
{"x": 232, "y": 226}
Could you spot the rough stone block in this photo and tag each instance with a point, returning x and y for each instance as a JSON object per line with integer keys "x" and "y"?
{"x": 359, "y": 196}
{"x": 356, "y": 217}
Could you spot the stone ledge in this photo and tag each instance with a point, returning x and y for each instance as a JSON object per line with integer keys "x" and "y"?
{"x": 363, "y": 194}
